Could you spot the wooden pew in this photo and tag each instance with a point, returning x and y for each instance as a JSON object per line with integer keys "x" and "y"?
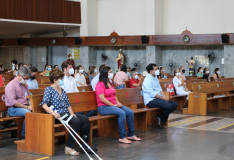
{"x": 210, "y": 97}
{"x": 15, "y": 131}
{"x": 41, "y": 86}
{"x": 45, "y": 81}
{"x": 84, "y": 89}
{"x": 2, "y": 88}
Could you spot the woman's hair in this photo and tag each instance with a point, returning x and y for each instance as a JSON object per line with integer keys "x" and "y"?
{"x": 78, "y": 67}
{"x": 104, "y": 75}
{"x": 204, "y": 71}
{"x": 92, "y": 68}
{"x": 217, "y": 69}
{"x": 123, "y": 68}
{"x": 198, "y": 69}
{"x": 160, "y": 69}
{"x": 56, "y": 74}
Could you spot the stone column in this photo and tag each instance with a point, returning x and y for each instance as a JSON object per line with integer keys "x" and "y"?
{"x": 153, "y": 55}
{"x": 228, "y": 61}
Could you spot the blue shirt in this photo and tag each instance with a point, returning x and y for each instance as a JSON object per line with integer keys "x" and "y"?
{"x": 151, "y": 87}
{"x": 32, "y": 84}
{"x": 58, "y": 103}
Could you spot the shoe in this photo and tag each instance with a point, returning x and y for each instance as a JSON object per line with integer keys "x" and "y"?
{"x": 164, "y": 126}
{"x": 134, "y": 138}
{"x": 125, "y": 141}
{"x": 71, "y": 151}
{"x": 159, "y": 122}
{"x": 88, "y": 150}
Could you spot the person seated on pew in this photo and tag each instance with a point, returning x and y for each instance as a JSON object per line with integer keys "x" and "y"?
{"x": 13, "y": 64}
{"x": 200, "y": 72}
{"x": 46, "y": 71}
{"x": 17, "y": 67}
{"x": 80, "y": 78}
{"x": 154, "y": 96}
{"x": 55, "y": 101}
{"x": 135, "y": 81}
{"x": 1, "y": 81}
{"x": 1, "y": 67}
{"x": 182, "y": 71}
{"x": 206, "y": 73}
{"x": 96, "y": 78}
{"x": 217, "y": 75}
{"x": 121, "y": 77}
{"x": 179, "y": 84}
{"x": 92, "y": 73}
{"x": 108, "y": 104}
{"x": 70, "y": 59}
{"x": 55, "y": 67}
{"x": 144, "y": 74}
{"x": 162, "y": 76}
{"x": 16, "y": 93}
{"x": 32, "y": 82}
{"x": 129, "y": 69}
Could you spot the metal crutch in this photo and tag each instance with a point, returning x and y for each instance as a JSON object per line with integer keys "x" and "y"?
{"x": 70, "y": 130}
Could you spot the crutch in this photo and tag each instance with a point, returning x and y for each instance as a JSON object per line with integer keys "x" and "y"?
{"x": 70, "y": 130}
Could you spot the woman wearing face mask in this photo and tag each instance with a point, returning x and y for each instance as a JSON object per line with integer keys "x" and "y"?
{"x": 80, "y": 78}
{"x": 108, "y": 104}
{"x": 46, "y": 71}
{"x": 182, "y": 71}
{"x": 179, "y": 84}
{"x": 206, "y": 73}
{"x": 217, "y": 75}
{"x": 55, "y": 102}
{"x": 162, "y": 73}
{"x": 135, "y": 81}
{"x": 93, "y": 72}
{"x": 200, "y": 72}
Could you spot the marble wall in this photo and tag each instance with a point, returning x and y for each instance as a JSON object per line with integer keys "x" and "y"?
{"x": 228, "y": 60}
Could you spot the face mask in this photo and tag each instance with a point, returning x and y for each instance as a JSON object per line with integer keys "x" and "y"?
{"x": 70, "y": 57}
{"x": 163, "y": 71}
{"x": 49, "y": 69}
{"x": 157, "y": 72}
{"x": 13, "y": 66}
{"x": 183, "y": 70}
{"x": 23, "y": 81}
{"x": 201, "y": 71}
{"x": 207, "y": 72}
{"x": 96, "y": 71}
{"x": 178, "y": 74}
{"x": 218, "y": 72}
{"x": 110, "y": 76}
{"x": 33, "y": 77}
{"x": 136, "y": 77}
{"x": 81, "y": 70}
{"x": 61, "y": 82}
{"x": 71, "y": 71}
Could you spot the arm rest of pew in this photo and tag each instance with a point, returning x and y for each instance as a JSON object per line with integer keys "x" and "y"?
{"x": 197, "y": 104}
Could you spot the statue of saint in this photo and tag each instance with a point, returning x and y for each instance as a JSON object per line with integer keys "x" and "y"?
{"x": 191, "y": 64}
{"x": 120, "y": 59}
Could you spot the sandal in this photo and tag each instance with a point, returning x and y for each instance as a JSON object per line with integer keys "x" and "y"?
{"x": 125, "y": 141}
{"x": 134, "y": 138}
{"x": 71, "y": 151}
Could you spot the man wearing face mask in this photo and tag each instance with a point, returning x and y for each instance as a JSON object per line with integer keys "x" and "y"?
{"x": 16, "y": 92}
{"x": 71, "y": 60}
{"x": 154, "y": 96}
{"x": 80, "y": 78}
{"x": 32, "y": 82}
{"x": 69, "y": 81}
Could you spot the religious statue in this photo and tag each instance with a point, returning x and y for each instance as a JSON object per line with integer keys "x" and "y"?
{"x": 120, "y": 59}
{"x": 191, "y": 64}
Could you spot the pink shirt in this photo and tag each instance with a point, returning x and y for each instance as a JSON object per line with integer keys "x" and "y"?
{"x": 108, "y": 93}
{"x": 120, "y": 78}
{"x": 16, "y": 92}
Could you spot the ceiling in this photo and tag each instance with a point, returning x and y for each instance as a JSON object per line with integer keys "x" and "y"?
{"x": 19, "y": 29}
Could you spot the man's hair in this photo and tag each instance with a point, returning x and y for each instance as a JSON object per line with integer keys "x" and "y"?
{"x": 150, "y": 67}
{"x": 55, "y": 74}
{"x": 14, "y": 61}
{"x": 69, "y": 55}
{"x": 78, "y": 67}
{"x": 65, "y": 64}
{"x": 132, "y": 71}
{"x": 33, "y": 69}
{"x": 123, "y": 68}
{"x": 101, "y": 67}
{"x": 24, "y": 71}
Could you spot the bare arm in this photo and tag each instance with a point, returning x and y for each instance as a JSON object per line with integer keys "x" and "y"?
{"x": 50, "y": 111}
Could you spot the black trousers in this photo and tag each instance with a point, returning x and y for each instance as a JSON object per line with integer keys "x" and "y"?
{"x": 80, "y": 123}
{"x": 168, "y": 107}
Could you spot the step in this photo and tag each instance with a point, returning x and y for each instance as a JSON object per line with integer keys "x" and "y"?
{"x": 58, "y": 134}
{"x": 20, "y": 141}
{"x": 58, "y": 125}
{"x": 8, "y": 129}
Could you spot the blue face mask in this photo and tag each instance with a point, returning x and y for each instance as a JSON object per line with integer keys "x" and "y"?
{"x": 61, "y": 82}
{"x": 49, "y": 69}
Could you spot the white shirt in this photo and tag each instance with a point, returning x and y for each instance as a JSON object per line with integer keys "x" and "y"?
{"x": 145, "y": 73}
{"x": 80, "y": 78}
{"x": 69, "y": 84}
{"x": 176, "y": 82}
{"x": 95, "y": 81}
{"x": 32, "y": 84}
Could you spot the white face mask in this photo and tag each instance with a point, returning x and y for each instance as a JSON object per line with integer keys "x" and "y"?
{"x": 207, "y": 72}
{"x": 178, "y": 74}
{"x": 136, "y": 77}
{"x": 81, "y": 70}
{"x": 218, "y": 72}
{"x": 71, "y": 71}
{"x": 157, "y": 72}
{"x": 23, "y": 81}
{"x": 201, "y": 71}
{"x": 95, "y": 71}
{"x": 70, "y": 57}
{"x": 110, "y": 76}
{"x": 13, "y": 66}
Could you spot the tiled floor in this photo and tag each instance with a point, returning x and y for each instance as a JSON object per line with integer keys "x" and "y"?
{"x": 188, "y": 137}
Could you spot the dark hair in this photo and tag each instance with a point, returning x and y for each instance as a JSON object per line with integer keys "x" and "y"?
{"x": 33, "y": 69}
{"x": 78, "y": 67}
{"x": 134, "y": 69}
{"x": 50, "y": 66}
{"x": 160, "y": 69}
{"x": 69, "y": 55}
{"x": 92, "y": 68}
{"x": 217, "y": 69}
{"x": 55, "y": 74}
{"x": 198, "y": 69}
{"x": 14, "y": 61}
{"x": 1, "y": 65}
{"x": 55, "y": 66}
{"x": 123, "y": 68}
{"x": 20, "y": 64}
{"x": 101, "y": 67}
{"x": 104, "y": 75}
{"x": 65, "y": 64}
{"x": 150, "y": 67}
{"x": 204, "y": 71}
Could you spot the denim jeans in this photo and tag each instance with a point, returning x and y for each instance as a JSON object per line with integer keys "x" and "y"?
{"x": 16, "y": 111}
{"x": 122, "y": 113}
{"x": 121, "y": 86}
{"x": 168, "y": 107}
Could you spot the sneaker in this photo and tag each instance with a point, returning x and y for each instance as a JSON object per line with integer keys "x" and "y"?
{"x": 159, "y": 122}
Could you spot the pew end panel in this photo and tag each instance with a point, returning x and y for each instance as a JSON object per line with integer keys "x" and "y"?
{"x": 197, "y": 104}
